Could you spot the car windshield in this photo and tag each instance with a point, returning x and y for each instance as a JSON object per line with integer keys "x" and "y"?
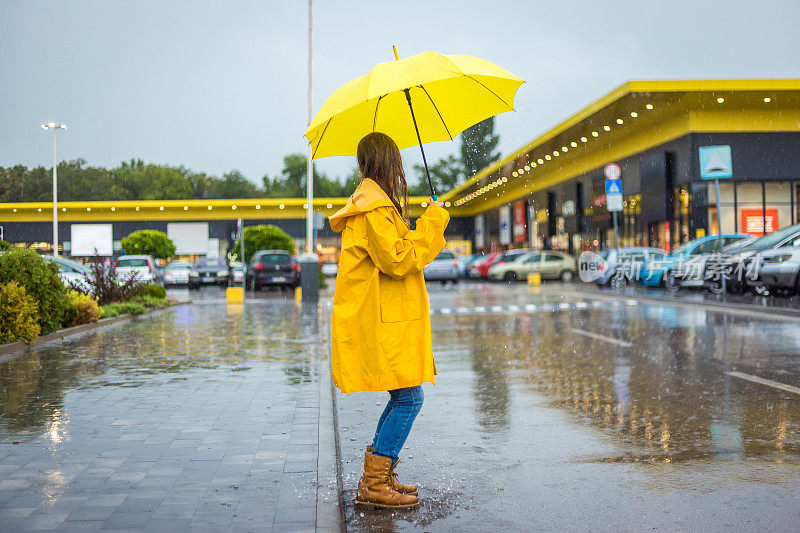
{"x": 275, "y": 258}
{"x": 445, "y": 254}
{"x": 740, "y": 243}
{"x": 131, "y": 262}
{"x": 777, "y": 236}
{"x": 210, "y": 263}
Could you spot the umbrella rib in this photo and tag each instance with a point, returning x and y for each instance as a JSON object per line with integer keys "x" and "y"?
{"x": 488, "y": 89}
{"x": 314, "y": 153}
{"x": 375, "y": 116}
{"x": 438, "y": 113}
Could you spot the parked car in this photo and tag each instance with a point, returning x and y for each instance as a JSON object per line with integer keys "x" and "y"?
{"x": 177, "y": 273}
{"x": 443, "y": 268}
{"x": 473, "y": 270}
{"x": 509, "y": 255}
{"x": 659, "y": 271}
{"x": 777, "y": 271}
{"x": 627, "y": 262}
{"x": 237, "y": 272}
{"x": 704, "y": 270}
{"x": 465, "y": 261}
{"x": 549, "y": 264}
{"x": 273, "y": 267}
{"x": 330, "y": 268}
{"x": 72, "y": 273}
{"x": 734, "y": 263}
{"x": 209, "y": 271}
{"x": 143, "y": 267}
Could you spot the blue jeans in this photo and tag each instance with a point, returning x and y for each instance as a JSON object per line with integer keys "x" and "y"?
{"x": 396, "y": 420}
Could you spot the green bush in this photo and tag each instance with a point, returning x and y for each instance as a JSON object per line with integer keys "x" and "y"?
{"x": 4, "y": 246}
{"x": 40, "y": 279}
{"x": 151, "y": 301}
{"x": 86, "y": 308}
{"x": 18, "y": 314}
{"x": 122, "y": 308}
{"x": 262, "y": 237}
{"x": 149, "y": 242}
{"x": 156, "y": 291}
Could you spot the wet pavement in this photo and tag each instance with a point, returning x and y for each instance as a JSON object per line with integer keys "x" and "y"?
{"x": 586, "y": 412}
{"x": 203, "y": 416}
{"x": 557, "y": 408}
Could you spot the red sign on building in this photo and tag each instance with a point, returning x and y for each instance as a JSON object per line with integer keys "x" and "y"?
{"x": 520, "y": 221}
{"x": 753, "y": 221}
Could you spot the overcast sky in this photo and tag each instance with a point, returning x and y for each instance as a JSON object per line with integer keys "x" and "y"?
{"x": 222, "y": 85}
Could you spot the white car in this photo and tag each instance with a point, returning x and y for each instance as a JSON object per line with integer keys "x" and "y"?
{"x": 142, "y": 266}
{"x": 237, "y": 272}
{"x": 72, "y": 273}
{"x": 330, "y": 269}
{"x": 177, "y": 273}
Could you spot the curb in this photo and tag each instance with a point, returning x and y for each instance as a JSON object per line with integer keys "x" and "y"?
{"x": 330, "y": 508}
{"x": 15, "y": 349}
{"x": 742, "y": 309}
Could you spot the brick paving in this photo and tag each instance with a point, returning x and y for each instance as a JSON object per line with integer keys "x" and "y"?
{"x": 203, "y": 417}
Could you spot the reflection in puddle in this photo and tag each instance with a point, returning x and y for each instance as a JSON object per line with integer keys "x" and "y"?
{"x": 666, "y": 397}
{"x": 151, "y": 351}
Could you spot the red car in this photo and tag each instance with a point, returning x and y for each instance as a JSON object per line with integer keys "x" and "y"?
{"x": 510, "y": 255}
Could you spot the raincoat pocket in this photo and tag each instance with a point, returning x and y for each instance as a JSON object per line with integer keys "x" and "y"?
{"x": 401, "y": 311}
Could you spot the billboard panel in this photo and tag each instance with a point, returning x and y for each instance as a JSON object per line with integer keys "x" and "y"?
{"x": 190, "y": 238}
{"x": 88, "y": 239}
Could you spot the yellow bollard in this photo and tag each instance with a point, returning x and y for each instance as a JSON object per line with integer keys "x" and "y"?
{"x": 298, "y": 294}
{"x": 535, "y": 279}
{"x": 234, "y": 295}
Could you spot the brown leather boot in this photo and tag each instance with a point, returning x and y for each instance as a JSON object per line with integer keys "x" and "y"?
{"x": 399, "y": 487}
{"x": 375, "y": 488}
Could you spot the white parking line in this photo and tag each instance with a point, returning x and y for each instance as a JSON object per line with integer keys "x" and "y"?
{"x": 599, "y": 337}
{"x": 445, "y": 310}
{"x": 530, "y": 308}
{"x": 513, "y": 308}
{"x": 463, "y": 310}
{"x": 496, "y": 309}
{"x": 480, "y": 309}
{"x": 764, "y": 381}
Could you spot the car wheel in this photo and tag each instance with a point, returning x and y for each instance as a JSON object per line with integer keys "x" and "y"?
{"x": 454, "y": 281}
{"x": 567, "y": 276}
{"x": 670, "y": 283}
{"x": 443, "y": 282}
{"x": 716, "y": 288}
{"x": 761, "y": 290}
{"x": 510, "y": 277}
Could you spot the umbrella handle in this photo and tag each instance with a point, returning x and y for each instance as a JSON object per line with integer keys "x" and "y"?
{"x": 419, "y": 139}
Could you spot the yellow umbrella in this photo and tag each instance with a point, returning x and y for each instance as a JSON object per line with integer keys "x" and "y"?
{"x": 450, "y": 93}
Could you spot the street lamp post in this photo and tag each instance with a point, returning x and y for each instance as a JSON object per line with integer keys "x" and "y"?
{"x": 53, "y": 126}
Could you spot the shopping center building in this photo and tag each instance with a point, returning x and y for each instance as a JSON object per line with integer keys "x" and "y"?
{"x": 549, "y": 193}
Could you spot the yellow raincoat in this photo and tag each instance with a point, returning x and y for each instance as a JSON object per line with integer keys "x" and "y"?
{"x": 381, "y": 323}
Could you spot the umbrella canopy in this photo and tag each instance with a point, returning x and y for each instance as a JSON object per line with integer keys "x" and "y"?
{"x": 449, "y": 93}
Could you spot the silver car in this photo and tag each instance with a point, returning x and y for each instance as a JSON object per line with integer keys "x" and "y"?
{"x": 443, "y": 268}
{"x": 776, "y": 270}
{"x": 72, "y": 273}
{"x": 177, "y": 273}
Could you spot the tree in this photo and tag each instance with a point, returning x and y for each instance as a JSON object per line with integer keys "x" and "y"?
{"x": 478, "y": 147}
{"x": 262, "y": 237}
{"x": 445, "y": 175}
{"x": 149, "y": 242}
{"x": 232, "y": 185}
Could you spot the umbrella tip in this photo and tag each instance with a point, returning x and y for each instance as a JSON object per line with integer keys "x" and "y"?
{"x": 396, "y": 55}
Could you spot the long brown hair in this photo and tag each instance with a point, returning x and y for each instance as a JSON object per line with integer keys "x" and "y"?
{"x": 379, "y": 160}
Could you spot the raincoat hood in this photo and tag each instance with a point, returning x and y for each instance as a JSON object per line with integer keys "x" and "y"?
{"x": 368, "y": 196}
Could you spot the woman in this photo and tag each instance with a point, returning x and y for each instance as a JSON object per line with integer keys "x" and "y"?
{"x": 381, "y": 327}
